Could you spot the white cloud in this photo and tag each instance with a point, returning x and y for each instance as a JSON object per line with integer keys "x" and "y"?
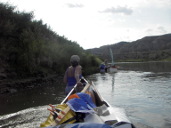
{"x": 162, "y": 30}
{"x": 119, "y": 9}
{"x": 70, "y": 5}
{"x": 159, "y": 30}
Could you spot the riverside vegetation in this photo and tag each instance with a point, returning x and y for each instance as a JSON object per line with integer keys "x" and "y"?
{"x": 30, "y": 49}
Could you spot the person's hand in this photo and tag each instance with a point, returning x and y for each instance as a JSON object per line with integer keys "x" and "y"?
{"x": 79, "y": 83}
{"x": 79, "y": 87}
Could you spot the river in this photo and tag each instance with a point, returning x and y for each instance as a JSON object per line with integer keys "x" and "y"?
{"x": 143, "y": 90}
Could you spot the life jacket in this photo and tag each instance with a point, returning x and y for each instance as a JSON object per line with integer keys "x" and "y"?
{"x": 102, "y": 66}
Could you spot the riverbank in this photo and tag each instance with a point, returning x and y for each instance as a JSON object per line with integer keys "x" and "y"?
{"x": 8, "y": 86}
{"x": 143, "y": 60}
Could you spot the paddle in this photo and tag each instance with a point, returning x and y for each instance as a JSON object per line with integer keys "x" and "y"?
{"x": 94, "y": 89}
{"x": 62, "y": 113}
{"x": 102, "y": 109}
{"x": 70, "y": 93}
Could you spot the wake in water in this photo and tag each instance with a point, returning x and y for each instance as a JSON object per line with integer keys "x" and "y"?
{"x": 28, "y": 118}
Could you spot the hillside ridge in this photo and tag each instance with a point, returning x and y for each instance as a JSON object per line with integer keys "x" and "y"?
{"x": 147, "y": 48}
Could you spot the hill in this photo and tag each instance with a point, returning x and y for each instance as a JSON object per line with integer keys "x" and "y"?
{"x": 152, "y": 48}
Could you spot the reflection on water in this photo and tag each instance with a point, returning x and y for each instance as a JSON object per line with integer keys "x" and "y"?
{"x": 34, "y": 97}
{"x": 144, "y": 94}
{"x": 113, "y": 81}
{"x": 147, "y": 101}
{"x": 146, "y": 66}
{"x": 142, "y": 89}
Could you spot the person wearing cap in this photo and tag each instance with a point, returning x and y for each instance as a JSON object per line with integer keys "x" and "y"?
{"x": 73, "y": 73}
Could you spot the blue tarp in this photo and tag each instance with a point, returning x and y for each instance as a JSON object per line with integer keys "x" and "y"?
{"x": 87, "y": 98}
{"x": 94, "y": 125}
{"x": 82, "y": 125}
{"x": 84, "y": 104}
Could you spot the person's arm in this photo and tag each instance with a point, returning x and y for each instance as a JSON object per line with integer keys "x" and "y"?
{"x": 77, "y": 73}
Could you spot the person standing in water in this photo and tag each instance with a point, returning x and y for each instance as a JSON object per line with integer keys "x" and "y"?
{"x": 73, "y": 73}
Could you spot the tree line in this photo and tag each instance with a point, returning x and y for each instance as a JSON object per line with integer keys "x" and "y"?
{"x": 29, "y": 48}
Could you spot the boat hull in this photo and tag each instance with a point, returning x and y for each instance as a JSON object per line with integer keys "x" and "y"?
{"x": 113, "y": 70}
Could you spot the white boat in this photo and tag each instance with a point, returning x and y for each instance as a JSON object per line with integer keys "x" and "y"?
{"x": 113, "y": 69}
{"x": 102, "y": 116}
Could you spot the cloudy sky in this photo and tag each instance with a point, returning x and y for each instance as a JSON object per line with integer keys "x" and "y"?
{"x": 94, "y": 23}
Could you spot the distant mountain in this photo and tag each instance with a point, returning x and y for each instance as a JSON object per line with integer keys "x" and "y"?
{"x": 147, "y": 48}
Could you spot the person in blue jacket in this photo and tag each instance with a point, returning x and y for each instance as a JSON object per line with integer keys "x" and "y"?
{"x": 102, "y": 67}
{"x": 73, "y": 73}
